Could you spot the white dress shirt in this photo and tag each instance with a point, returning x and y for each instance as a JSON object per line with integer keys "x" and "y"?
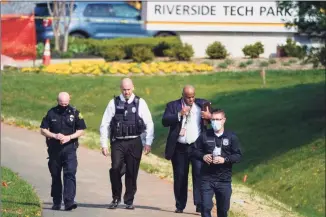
{"x": 193, "y": 126}
{"x": 144, "y": 113}
{"x": 219, "y": 134}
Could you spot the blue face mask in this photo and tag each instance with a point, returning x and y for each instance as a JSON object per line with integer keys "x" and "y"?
{"x": 216, "y": 125}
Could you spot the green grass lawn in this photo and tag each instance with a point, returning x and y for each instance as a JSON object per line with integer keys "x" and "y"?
{"x": 17, "y": 196}
{"x": 281, "y": 125}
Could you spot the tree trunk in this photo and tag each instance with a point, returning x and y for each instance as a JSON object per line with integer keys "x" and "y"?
{"x": 67, "y": 20}
{"x": 65, "y": 42}
{"x": 57, "y": 42}
{"x": 60, "y": 29}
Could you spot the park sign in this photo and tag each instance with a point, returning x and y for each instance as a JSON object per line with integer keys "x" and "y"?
{"x": 216, "y": 16}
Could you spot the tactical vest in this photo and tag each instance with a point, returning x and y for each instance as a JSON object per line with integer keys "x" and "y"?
{"x": 126, "y": 122}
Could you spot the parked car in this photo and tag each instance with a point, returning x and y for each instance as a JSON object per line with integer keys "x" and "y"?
{"x": 97, "y": 20}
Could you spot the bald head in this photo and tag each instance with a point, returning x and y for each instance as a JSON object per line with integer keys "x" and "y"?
{"x": 127, "y": 87}
{"x": 188, "y": 94}
{"x": 188, "y": 88}
{"x": 63, "y": 99}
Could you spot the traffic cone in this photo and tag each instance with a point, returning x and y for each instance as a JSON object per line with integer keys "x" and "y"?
{"x": 47, "y": 53}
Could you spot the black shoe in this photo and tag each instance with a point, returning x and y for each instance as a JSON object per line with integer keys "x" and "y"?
{"x": 71, "y": 207}
{"x": 198, "y": 208}
{"x": 114, "y": 204}
{"x": 130, "y": 206}
{"x": 178, "y": 211}
{"x": 56, "y": 207}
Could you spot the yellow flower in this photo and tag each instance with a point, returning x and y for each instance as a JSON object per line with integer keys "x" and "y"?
{"x": 98, "y": 67}
{"x": 113, "y": 70}
{"x": 135, "y": 70}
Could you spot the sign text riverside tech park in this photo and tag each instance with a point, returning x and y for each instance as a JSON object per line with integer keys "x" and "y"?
{"x": 216, "y": 16}
{"x": 228, "y": 10}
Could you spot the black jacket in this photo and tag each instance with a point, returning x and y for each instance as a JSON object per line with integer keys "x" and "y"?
{"x": 230, "y": 151}
{"x": 170, "y": 119}
{"x": 66, "y": 122}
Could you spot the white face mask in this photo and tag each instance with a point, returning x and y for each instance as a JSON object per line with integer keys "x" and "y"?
{"x": 216, "y": 125}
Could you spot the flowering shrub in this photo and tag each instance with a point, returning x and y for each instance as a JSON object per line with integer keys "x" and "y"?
{"x": 100, "y": 67}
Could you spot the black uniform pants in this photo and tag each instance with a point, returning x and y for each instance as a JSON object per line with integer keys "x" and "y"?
{"x": 180, "y": 163}
{"x": 222, "y": 191}
{"x": 127, "y": 152}
{"x": 63, "y": 157}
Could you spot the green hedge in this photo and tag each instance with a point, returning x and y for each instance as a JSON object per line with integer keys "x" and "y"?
{"x": 100, "y": 48}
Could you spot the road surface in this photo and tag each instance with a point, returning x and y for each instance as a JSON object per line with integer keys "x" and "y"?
{"x": 24, "y": 152}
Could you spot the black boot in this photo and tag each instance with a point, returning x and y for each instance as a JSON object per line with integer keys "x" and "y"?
{"x": 114, "y": 204}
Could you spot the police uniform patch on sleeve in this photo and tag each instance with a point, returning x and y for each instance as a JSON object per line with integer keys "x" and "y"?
{"x": 225, "y": 141}
{"x": 80, "y": 116}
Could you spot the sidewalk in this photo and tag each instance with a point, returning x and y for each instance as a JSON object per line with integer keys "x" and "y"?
{"x": 38, "y": 62}
{"x": 25, "y": 152}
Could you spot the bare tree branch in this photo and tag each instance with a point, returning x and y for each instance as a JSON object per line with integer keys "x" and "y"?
{"x": 58, "y": 10}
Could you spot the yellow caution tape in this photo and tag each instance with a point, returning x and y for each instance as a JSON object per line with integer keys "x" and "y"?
{"x": 87, "y": 19}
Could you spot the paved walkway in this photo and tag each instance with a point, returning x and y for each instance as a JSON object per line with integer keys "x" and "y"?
{"x": 25, "y": 152}
{"x": 38, "y": 62}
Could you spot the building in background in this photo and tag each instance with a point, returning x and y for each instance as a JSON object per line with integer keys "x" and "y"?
{"x": 234, "y": 24}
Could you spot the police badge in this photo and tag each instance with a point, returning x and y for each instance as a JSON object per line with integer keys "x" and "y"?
{"x": 225, "y": 141}
{"x": 71, "y": 117}
{"x": 133, "y": 109}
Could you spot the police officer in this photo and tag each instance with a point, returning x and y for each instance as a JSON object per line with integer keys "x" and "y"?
{"x": 62, "y": 126}
{"x": 219, "y": 149}
{"x": 125, "y": 121}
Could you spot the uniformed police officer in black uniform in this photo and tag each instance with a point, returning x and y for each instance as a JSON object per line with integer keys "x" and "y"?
{"x": 126, "y": 121}
{"x": 219, "y": 149}
{"x": 62, "y": 126}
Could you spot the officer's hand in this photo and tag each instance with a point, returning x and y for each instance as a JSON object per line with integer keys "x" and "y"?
{"x": 219, "y": 160}
{"x": 147, "y": 149}
{"x": 208, "y": 158}
{"x": 105, "y": 151}
{"x": 185, "y": 110}
{"x": 65, "y": 139}
{"x": 59, "y": 136}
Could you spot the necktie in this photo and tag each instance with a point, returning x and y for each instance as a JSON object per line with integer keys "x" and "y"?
{"x": 190, "y": 134}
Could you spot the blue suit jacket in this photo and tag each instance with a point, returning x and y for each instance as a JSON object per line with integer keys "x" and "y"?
{"x": 170, "y": 119}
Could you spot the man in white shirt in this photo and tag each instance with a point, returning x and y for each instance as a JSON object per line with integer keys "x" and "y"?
{"x": 126, "y": 119}
{"x": 185, "y": 118}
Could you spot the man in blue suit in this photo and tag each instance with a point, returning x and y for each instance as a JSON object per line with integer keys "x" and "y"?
{"x": 187, "y": 118}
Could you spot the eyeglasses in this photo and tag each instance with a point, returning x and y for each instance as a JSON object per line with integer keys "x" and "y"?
{"x": 217, "y": 119}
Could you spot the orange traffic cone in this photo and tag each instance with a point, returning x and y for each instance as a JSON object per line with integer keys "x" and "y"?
{"x": 47, "y": 53}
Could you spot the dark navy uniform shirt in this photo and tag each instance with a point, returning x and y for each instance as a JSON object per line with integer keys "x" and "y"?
{"x": 230, "y": 151}
{"x": 65, "y": 121}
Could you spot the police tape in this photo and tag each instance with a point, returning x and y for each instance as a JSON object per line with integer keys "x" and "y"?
{"x": 86, "y": 19}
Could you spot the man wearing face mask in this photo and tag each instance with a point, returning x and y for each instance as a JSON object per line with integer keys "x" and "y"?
{"x": 62, "y": 126}
{"x": 219, "y": 149}
{"x": 186, "y": 118}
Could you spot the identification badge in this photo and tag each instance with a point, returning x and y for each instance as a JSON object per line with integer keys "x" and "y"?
{"x": 218, "y": 151}
{"x": 182, "y": 132}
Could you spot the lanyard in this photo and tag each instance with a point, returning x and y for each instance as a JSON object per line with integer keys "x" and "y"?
{"x": 216, "y": 142}
{"x": 187, "y": 116}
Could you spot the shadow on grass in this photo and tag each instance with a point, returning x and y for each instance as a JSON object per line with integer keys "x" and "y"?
{"x": 269, "y": 122}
